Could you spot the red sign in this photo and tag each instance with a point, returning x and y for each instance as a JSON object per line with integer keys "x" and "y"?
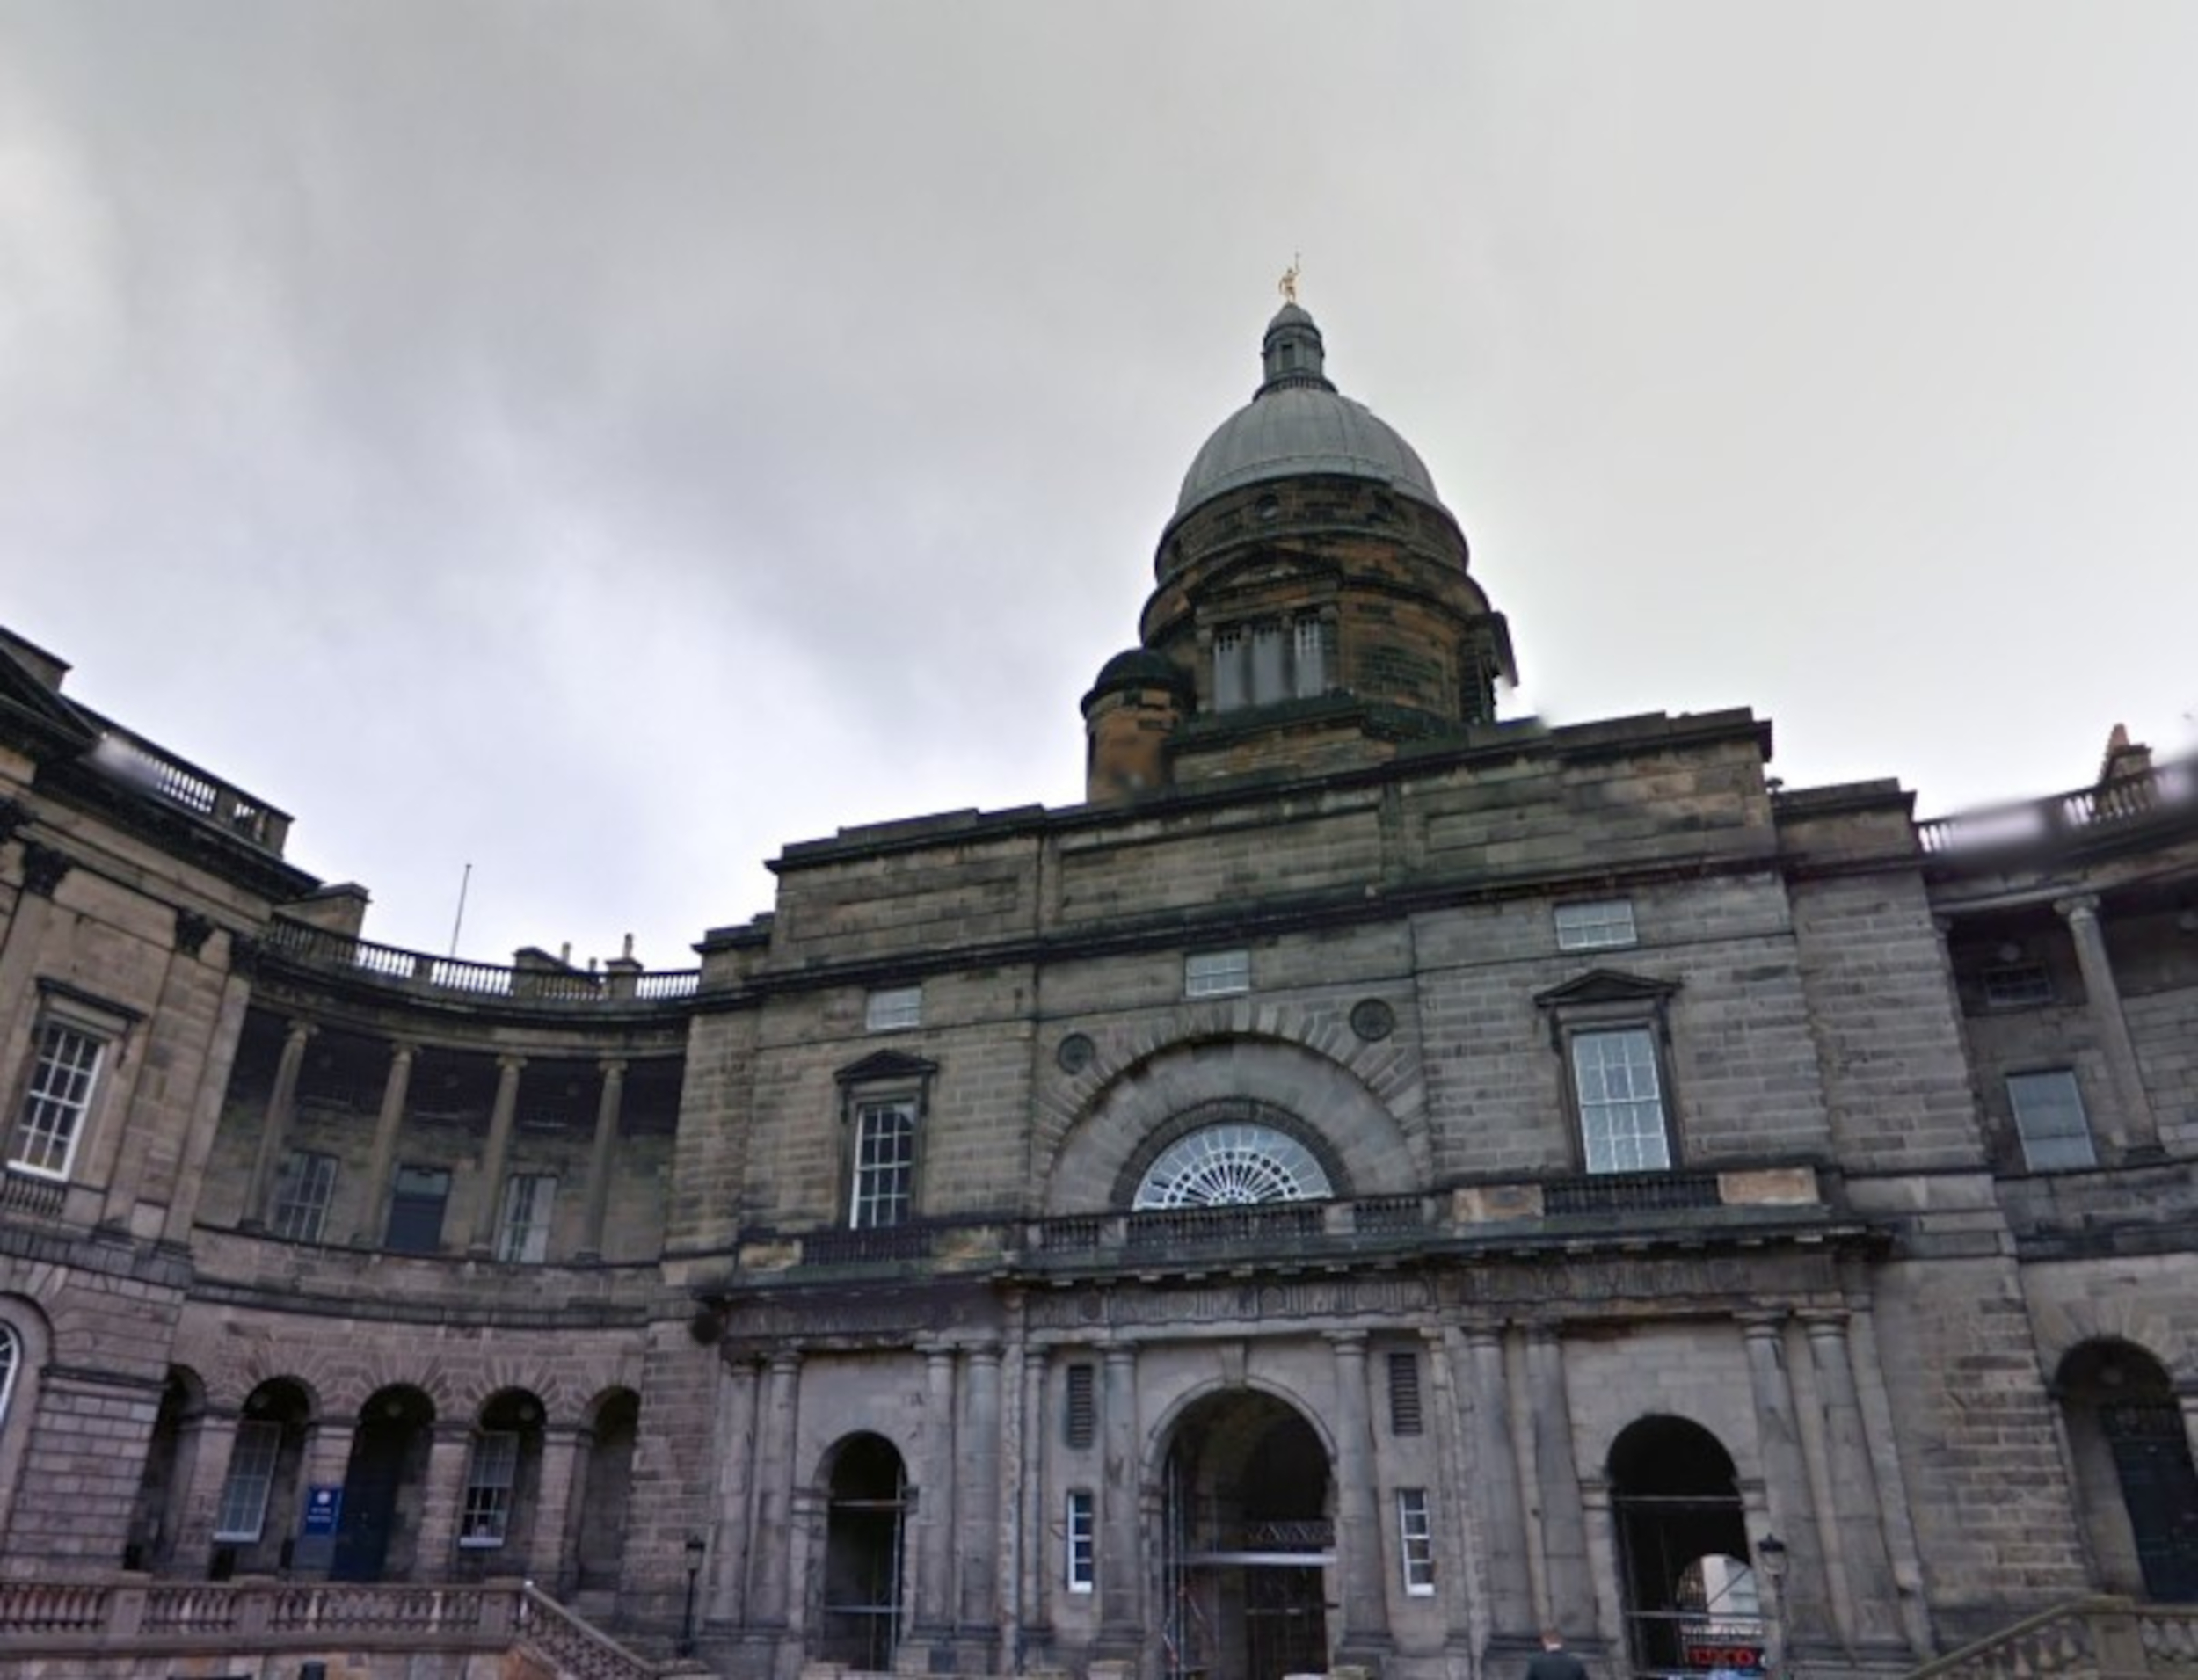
{"x": 1725, "y": 1654}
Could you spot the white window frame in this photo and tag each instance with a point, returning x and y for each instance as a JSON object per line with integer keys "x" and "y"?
{"x": 1595, "y": 924}
{"x": 304, "y": 1191}
{"x": 882, "y": 1191}
{"x": 893, "y": 1008}
{"x": 241, "y": 1518}
{"x": 1263, "y": 660}
{"x": 2048, "y": 1144}
{"x": 522, "y": 1221}
{"x": 11, "y": 1355}
{"x": 66, "y": 1058}
{"x": 1614, "y": 1096}
{"x": 1416, "y": 1542}
{"x": 1080, "y": 1542}
{"x": 1217, "y": 974}
{"x": 484, "y": 1519}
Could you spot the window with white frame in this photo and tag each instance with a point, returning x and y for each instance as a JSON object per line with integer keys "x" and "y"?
{"x": 1620, "y": 1096}
{"x": 1216, "y": 974}
{"x": 251, "y": 1472}
{"x": 1602, "y": 925}
{"x": 883, "y": 1186}
{"x": 303, "y": 1193}
{"x": 1273, "y": 659}
{"x": 1416, "y": 1541}
{"x": 522, "y": 1227}
{"x": 1079, "y": 1549}
{"x": 893, "y": 1009}
{"x": 2050, "y": 1120}
{"x": 490, "y": 1478}
{"x": 64, "y": 1070}
{"x": 10, "y": 1360}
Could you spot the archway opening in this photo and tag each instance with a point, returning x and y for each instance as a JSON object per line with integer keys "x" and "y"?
{"x": 1692, "y": 1601}
{"x": 2134, "y": 1478}
{"x": 606, "y": 1490}
{"x": 1247, "y": 1539}
{"x": 377, "y": 1534}
{"x": 254, "y": 1517}
{"x": 164, "y": 1483}
{"x": 503, "y": 1485}
{"x": 867, "y": 1501}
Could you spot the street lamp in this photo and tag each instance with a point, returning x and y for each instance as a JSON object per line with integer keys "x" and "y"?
{"x": 1771, "y": 1559}
{"x": 695, "y": 1547}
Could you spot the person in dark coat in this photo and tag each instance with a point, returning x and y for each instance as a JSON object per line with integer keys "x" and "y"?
{"x": 1553, "y": 1661}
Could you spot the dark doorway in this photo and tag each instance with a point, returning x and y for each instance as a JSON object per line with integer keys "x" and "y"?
{"x": 861, "y": 1623}
{"x": 2134, "y": 1473}
{"x": 377, "y": 1534}
{"x": 601, "y": 1538}
{"x": 1691, "y": 1596}
{"x": 170, "y": 1459}
{"x": 1247, "y": 1539}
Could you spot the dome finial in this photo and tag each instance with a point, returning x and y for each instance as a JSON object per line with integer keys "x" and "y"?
{"x": 1288, "y": 284}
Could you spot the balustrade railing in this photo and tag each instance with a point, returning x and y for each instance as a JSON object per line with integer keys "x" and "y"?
{"x": 579, "y": 1651}
{"x": 53, "y": 1607}
{"x": 2084, "y": 1639}
{"x": 323, "y": 949}
{"x": 1631, "y": 1193}
{"x": 2034, "y": 822}
{"x": 131, "y": 758}
{"x": 24, "y": 1193}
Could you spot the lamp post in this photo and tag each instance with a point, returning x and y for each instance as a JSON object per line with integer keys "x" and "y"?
{"x": 1771, "y": 1561}
{"x": 695, "y": 1547}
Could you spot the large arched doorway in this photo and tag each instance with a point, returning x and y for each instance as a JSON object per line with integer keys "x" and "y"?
{"x": 255, "y": 1516}
{"x": 859, "y": 1623}
{"x": 171, "y": 1458}
{"x": 1691, "y": 1596}
{"x": 2134, "y": 1475}
{"x": 378, "y": 1533}
{"x": 1248, "y": 1535}
{"x": 600, "y": 1541}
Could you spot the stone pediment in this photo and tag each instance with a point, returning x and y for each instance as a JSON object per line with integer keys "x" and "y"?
{"x": 1606, "y": 985}
{"x": 885, "y": 1065}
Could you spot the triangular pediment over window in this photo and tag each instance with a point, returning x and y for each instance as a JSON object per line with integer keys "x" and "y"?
{"x": 886, "y": 1065}
{"x": 1606, "y": 985}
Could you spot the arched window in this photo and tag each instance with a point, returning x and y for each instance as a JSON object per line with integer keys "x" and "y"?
{"x": 10, "y": 1357}
{"x": 1232, "y": 1165}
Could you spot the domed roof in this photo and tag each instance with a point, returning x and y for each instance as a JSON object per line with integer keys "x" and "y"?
{"x": 1138, "y": 667}
{"x": 1297, "y": 424}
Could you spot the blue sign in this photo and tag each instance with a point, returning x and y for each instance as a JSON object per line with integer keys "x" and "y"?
{"x": 323, "y": 1506}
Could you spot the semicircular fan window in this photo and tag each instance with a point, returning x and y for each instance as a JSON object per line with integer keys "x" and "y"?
{"x": 1229, "y": 1166}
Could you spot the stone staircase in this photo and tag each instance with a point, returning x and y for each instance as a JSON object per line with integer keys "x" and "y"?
{"x": 2084, "y": 1639}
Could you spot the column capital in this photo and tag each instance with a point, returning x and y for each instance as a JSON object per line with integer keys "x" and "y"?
{"x": 1347, "y": 1341}
{"x": 1825, "y": 1323}
{"x": 1758, "y": 1325}
{"x": 613, "y": 1067}
{"x": 510, "y": 1064}
{"x": 784, "y": 1362}
{"x": 1481, "y": 1336}
{"x": 301, "y": 1029}
{"x": 2077, "y": 906}
{"x": 403, "y": 1049}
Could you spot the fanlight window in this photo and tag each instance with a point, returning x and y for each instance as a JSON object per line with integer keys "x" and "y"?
{"x": 1230, "y": 1165}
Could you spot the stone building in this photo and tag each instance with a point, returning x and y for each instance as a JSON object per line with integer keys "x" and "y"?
{"x": 1375, "y": 1180}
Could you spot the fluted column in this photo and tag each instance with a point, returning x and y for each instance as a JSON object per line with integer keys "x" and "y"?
{"x": 595, "y": 1200}
{"x": 274, "y": 1127}
{"x": 1121, "y": 1559}
{"x": 1358, "y": 1512}
{"x": 1805, "y": 1598}
{"x": 979, "y": 1494}
{"x": 382, "y": 1161}
{"x": 737, "y": 1428}
{"x": 1557, "y": 1476}
{"x": 935, "y": 1536}
{"x": 774, "y": 1489}
{"x": 2132, "y": 1126}
{"x": 496, "y": 1153}
{"x": 1494, "y": 1476}
{"x": 1854, "y": 1502}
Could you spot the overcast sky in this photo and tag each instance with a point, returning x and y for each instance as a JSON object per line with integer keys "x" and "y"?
{"x": 603, "y": 444}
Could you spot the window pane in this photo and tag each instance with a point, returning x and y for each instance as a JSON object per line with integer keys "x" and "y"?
{"x": 894, "y": 1009}
{"x": 1213, "y": 974}
{"x": 884, "y": 1164}
{"x": 251, "y": 1468}
{"x": 2050, "y": 1118}
{"x": 488, "y": 1482}
{"x": 1078, "y": 1546}
{"x": 1416, "y": 1535}
{"x": 416, "y": 1209}
{"x": 66, "y": 1062}
{"x": 1621, "y": 1103}
{"x": 1269, "y": 664}
{"x": 1601, "y": 926}
{"x": 522, "y": 1232}
{"x": 302, "y": 1194}
{"x": 1231, "y": 688}
{"x": 1309, "y": 674}
{"x": 1232, "y": 1165}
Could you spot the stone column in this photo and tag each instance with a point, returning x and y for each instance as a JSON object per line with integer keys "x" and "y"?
{"x": 935, "y": 1536}
{"x": 2132, "y": 1126}
{"x": 442, "y": 1500}
{"x": 737, "y": 1428}
{"x": 1121, "y": 1557}
{"x": 1854, "y": 1502}
{"x": 546, "y": 1560}
{"x": 1557, "y": 1478}
{"x": 1033, "y": 1600}
{"x": 1357, "y": 1507}
{"x": 2187, "y": 1400}
{"x": 274, "y": 1128}
{"x": 596, "y": 1198}
{"x": 382, "y": 1161}
{"x": 1804, "y": 1599}
{"x": 980, "y": 1495}
{"x": 1610, "y": 1594}
{"x": 198, "y": 1507}
{"x": 1494, "y": 1478}
{"x": 495, "y": 1154}
{"x": 774, "y": 1489}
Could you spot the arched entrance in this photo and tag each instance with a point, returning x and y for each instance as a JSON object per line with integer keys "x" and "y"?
{"x": 2134, "y": 1475}
{"x": 1691, "y": 1594}
{"x": 860, "y": 1619}
{"x": 605, "y": 1491}
{"x": 1247, "y": 1534}
{"x": 171, "y": 1457}
{"x": 379, "y": 1529}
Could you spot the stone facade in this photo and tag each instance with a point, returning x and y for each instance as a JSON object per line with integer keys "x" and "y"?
{"x": 1373, "y": 1181}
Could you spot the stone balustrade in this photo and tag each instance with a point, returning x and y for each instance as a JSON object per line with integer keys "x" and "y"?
{"x": 2118, "y": 802}
{"x": 325, "y": 951}
{"x": 2086, "y": 1639}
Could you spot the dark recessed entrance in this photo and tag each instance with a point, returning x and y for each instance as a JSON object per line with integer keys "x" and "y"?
{"x": 1691, "y": 1594}
{"x": 861, "y": 1623}
{"x": 378, "y": 1532}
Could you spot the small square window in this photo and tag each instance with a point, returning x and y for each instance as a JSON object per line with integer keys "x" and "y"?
{"x": 895, "y": 1009}
{"x": 2018, "y": 985}
{"x": 1217, "y": 974}
{"x": 1607, "y": 924}
{"x": 1080, "y": 1546}
{"x": 1416, "y": 1537}
{"x": 2050, "y": 1120}
{"x": 64, "y": 1069}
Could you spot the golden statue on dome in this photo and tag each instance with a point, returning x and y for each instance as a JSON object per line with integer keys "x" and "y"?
{"x": 1289, "y": 281}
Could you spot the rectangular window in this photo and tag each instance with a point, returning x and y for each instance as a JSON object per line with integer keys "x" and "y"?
{"x": 251, "y": 1472}
{"x": 1217, "y": 974}
{"x": 523, "y": 1231}
{"x": 1604, "y": 925}
{"x": 1309, "y": 671}
{"x": 1622, "y": 1101}
{"x": 1416, "y": 1537}
{"x": 884, "y": 1163}
{"x": 1404, "y": 1393}
{"x": 64, "y": 1067}
{"x": 490, "y": 1479}
{"x": 417, "y": 1200}
{"x": 2018, "y": 985}
{"x": 302, "y": 1194}
{"x": 2050, "y": 1118}
{"x": 894, "y": 1009}
{"x": 1080, "y": 1425}
{"x": 1232, "y": 687}
{"x": 1079, "y": 1550}
{"x": 1271, "y": 664}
